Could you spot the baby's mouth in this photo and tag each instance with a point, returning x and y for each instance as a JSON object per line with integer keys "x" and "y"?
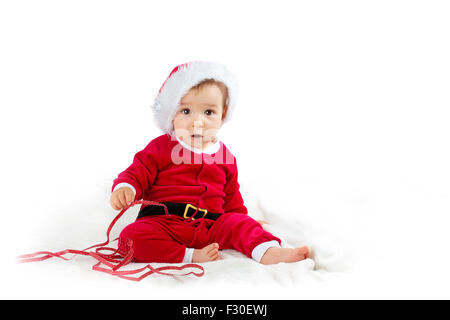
{"x": 196, "y": 136}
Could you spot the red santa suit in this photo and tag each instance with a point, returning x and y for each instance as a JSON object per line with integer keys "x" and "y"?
{"x": 167, "y": 170}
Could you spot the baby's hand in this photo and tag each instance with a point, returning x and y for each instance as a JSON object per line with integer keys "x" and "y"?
{"x": 121, "y": 198}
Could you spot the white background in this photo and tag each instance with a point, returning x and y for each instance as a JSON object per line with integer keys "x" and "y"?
{"x": 343, "y": 114}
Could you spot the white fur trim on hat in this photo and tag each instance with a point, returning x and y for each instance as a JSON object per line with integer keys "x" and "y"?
{"x": 181, "y": 80}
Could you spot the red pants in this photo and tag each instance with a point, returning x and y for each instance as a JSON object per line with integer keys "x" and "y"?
{"x": 165, "y": 238}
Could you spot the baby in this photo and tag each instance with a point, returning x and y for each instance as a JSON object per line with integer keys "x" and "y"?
{"x": 195, "y": 176}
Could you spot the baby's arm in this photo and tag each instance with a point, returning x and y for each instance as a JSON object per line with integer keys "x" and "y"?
{"x": 233, "y": 198}
{"x": 136, "y": 179}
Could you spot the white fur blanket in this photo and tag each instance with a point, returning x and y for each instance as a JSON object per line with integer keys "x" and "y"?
{"x": 79, "y": 225}
{"x": 356, "y": 253}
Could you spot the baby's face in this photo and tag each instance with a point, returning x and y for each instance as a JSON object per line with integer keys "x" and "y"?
{"x": 199, "y": 116}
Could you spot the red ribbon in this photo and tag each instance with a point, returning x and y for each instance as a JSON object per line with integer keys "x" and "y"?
{"x": 115, "y": 260}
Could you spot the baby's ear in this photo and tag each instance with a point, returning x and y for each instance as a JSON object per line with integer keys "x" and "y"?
{"x": 224, "y": 113}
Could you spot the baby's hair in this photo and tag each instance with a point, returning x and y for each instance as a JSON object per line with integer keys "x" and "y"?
{"x": 223, "y": 88}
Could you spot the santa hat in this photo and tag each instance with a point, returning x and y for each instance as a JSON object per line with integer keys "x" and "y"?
{"x": 181, "y": 80}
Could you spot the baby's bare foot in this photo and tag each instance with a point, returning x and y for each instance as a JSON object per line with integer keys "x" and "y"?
{"x": 208, "y": 253}
{"x": 275, "y": 255}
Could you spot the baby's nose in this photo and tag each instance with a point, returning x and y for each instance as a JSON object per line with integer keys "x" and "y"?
{"x": 198, "y": 123}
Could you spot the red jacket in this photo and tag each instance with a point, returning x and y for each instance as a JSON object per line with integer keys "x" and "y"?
{"x": 165, "y": 171}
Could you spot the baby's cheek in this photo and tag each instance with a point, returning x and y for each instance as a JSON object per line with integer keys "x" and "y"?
{"x": 181, "y": 133}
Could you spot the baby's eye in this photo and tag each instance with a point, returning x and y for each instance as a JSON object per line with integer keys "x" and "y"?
{"x": 209, "y": 112}
{"x": 185, "y": 111}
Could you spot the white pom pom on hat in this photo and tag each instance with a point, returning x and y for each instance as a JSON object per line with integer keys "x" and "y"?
{"x": 182, "y": 78}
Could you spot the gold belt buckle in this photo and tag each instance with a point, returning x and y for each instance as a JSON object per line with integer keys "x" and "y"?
{"x": 193, "y": 207}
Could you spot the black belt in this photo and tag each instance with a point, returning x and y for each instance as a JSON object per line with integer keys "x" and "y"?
{"x": 184, "y": 210}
